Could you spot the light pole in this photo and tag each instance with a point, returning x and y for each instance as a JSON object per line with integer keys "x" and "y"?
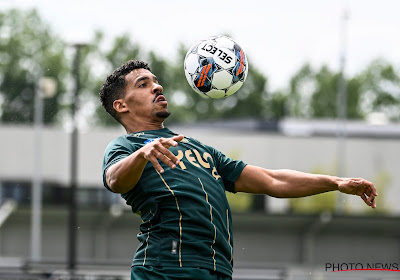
{"x": 72, "y": 228}
{"x": 46, "y": 89}
{"x": 341, "y": 112}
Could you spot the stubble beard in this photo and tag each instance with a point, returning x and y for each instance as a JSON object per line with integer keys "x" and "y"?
{"x": 163, "y": 114}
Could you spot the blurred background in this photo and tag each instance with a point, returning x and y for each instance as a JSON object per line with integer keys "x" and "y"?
{"x": 322, "y": 96}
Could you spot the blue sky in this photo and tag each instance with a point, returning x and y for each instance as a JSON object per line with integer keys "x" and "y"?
{"x": 277, "y": 36}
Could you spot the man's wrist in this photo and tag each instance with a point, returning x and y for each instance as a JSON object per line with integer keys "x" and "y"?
{"x": 334, "y": 182}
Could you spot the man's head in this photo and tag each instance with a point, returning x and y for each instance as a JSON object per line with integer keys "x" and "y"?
{"x": 132, "y": 88}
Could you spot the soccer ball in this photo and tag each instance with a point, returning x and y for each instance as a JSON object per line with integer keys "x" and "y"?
{"x": 216, "y": 67}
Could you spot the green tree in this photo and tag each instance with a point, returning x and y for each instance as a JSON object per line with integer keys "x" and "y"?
{"x": 28, "y": 51}
{"x": 301, "y": 86}
{"x": 380, "y": 86}
{"x": 121, "y": 50}
{"x": 251, "y": 98}
{"x": 324, "y": 98}
{"x": 276, "y": 105}
{"x": 313, "y": 94}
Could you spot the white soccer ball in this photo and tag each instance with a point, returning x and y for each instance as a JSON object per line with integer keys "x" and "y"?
{"x": 216, "y": 67}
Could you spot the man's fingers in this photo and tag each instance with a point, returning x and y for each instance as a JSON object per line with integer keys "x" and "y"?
{"x": 367, "y": 191}
{"x": 169, "y": 156}
{"x": 173, "y": 141}
{"x": 156, "y": 164}
{"x": 364, "y": 197}
{"x": 168, "y": 143}
{"x": 370, "y": 187}
{"x": 156, "y": 155}
{"x": 373, "y": 203}
{"x": 164, "y": 158}
{"x": 159, "y": 150}
{"x": 371, "y": 192}
{"x": 178, "y": 138}
{"x": 164, "y": 155}
{"x": 370, "y": 201}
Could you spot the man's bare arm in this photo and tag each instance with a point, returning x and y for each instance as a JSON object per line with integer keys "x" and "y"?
{"x": 290, "y": 183}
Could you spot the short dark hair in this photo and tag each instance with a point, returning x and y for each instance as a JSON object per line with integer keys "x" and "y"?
{"x": 114, "y": 86}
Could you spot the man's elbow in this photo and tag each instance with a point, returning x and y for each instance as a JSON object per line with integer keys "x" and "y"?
{"x": 114, "y": 186}
{"x": 117, "y": 185}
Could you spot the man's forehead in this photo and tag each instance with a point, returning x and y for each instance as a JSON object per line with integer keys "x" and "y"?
{"x": 137, "y": 73}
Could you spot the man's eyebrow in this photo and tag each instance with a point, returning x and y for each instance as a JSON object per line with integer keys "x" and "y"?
{"x": 144, "y": 78}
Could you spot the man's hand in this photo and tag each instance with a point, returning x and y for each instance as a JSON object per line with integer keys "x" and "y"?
{"x": 360, "y": 187}
{"x": 124, "y": 174}
{"x": 159, "y": 150}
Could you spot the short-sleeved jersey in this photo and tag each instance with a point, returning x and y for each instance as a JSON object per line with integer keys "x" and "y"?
{"x": 186, "y": 219}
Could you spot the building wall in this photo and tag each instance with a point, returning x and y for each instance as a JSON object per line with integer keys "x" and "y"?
{"x": 375, "y": 159}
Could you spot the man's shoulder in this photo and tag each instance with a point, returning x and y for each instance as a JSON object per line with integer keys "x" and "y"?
{"x": 141, "y": 137}
{"x": 121, "y": 142}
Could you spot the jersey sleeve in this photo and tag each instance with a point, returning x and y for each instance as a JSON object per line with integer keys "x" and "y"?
{"x": 227, "y": 168}
{"x": 115, "y": 151}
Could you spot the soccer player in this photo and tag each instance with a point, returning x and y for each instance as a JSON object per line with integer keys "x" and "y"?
{"x": 177, "y": 184}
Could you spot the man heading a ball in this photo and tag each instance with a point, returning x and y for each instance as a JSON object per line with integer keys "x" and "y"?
{"x": 177, "y": 184}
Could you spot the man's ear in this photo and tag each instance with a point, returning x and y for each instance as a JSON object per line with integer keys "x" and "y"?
{"x": 120, "y": 106}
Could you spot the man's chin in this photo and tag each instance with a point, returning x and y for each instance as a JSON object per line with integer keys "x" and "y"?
{"x": 163, "y": 114}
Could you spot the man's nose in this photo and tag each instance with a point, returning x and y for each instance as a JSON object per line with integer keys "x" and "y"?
{"x": 157, "y": 88}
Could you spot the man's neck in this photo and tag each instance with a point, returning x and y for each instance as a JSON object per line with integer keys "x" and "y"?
{"x": 132, "y": 128}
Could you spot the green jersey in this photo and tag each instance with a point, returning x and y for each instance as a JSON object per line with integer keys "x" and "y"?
{"x": 186, "y": 219}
